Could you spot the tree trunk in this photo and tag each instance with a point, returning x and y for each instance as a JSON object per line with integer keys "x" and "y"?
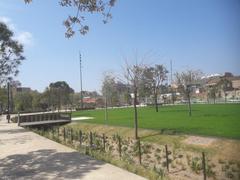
{"x": 189, "y": 104}
{"x": 155, "y": 99}
{"x": 225, "y": 95}
{"x": 106, "y": 110}
{"x": 173, "y": 98}
{"x": 135, "y": 114}
{"x": 111, "y": 102}
{"x": 214, "y": 99}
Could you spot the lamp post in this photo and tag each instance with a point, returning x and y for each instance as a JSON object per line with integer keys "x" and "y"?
{"x": 80, "y": 61}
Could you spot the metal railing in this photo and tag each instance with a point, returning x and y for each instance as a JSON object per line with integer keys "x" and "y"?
{"x": 27, "y": 118}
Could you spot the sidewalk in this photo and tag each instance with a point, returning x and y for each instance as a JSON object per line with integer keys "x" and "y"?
{"x": 26, "y": 155}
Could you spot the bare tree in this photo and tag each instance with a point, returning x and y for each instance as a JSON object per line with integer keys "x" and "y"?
{"x": 185, "y": 81}
{"x": 108, "y": 90}
{"x": 134, "y": 74}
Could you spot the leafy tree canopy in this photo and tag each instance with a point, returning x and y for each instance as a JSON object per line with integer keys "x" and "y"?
{"x": 102, "y": 7}
{"x": 10, "y": 54}
{"x": 62, "y": 86}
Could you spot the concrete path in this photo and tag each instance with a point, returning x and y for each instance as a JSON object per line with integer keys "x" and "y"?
{"x": 81, "y": 118}
{"x": 26, "y": 155}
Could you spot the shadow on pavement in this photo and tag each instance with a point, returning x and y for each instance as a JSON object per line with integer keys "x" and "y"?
{"x": 47, "y": 164}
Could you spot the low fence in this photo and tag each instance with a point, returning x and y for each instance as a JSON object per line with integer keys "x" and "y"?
{"x": 31, "y": 118}
{"x": 163, "y": 159}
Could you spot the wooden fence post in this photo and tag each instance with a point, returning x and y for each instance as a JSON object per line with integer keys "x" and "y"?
{"x": 64, "y": 134}
{"x": 67, "y": 134}
{"x": 167, "y": 161}
{"x": 52, "y": 131}
{"x": 80, "y": 137}
{"x": 104, "y": 142}
{"x": 58, "y": 132}
{"x": 139, "y": 151}
{"x": 19, "y": 119}
{"x": 119, "y": 146}
{"x": 71, "y": 136}
{"x": 204, "y": 166}
{"x": 91, "y": 140}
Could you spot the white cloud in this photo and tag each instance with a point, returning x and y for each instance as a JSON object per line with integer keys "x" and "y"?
{"x": 8, "y": 22}
{"x": 24, "y": 37}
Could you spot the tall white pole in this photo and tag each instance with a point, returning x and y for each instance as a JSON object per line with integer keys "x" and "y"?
{"x": 171, "y": 70}
{"x": 80, "y": 61}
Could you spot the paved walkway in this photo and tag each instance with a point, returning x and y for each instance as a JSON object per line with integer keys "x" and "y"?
{"x": 26, "y": 155}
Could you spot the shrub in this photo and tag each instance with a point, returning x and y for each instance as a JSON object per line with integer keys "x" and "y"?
{"x": 196, "y": 165}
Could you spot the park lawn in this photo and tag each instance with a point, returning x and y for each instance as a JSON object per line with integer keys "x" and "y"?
{"x": 220, "y": 120}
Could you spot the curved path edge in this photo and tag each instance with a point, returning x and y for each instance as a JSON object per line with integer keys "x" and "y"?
{"x": 26, "y": 155}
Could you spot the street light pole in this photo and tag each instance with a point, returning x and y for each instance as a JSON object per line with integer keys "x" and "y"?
{"x": 80, "y": 61}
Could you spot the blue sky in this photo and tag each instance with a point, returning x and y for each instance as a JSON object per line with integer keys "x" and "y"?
{"x": 193, "y": 34}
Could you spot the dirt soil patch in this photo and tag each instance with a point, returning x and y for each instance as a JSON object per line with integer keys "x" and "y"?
{"x": 198, "y": 140}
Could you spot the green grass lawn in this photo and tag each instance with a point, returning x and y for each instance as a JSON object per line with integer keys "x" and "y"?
{"x": 221, "y": 120}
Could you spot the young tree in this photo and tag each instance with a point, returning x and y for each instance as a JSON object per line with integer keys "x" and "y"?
{"x": 10, "y": 54}
{"x": 185, "y": 80}
{"x": 76, "y": 22}
{"x": 109, "y": 89}
{"x": 134, "y": 75}
{"x": 154, "y": 78}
